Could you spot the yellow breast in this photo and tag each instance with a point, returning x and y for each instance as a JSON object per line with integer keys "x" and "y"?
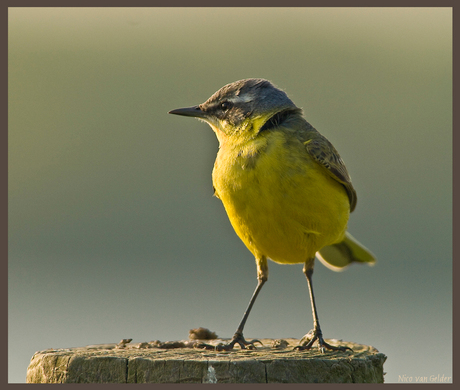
{"x": 280, "y": 202}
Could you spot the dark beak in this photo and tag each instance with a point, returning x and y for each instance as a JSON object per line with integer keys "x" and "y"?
{"x": 195, "y": 112}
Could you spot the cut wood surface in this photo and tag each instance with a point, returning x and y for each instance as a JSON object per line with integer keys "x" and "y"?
{"x": 178, "y": 362}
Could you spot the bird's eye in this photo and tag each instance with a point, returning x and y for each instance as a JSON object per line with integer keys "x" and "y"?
{"x": 225, "y": 105}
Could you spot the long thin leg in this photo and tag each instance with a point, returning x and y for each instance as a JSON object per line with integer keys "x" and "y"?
{"x": 315, "y": 333}
{"x": 251, "y": 303}
{"x": 238, "y": 336}
{"x": 309, "y": 273}
{"x": 262, "y": 277}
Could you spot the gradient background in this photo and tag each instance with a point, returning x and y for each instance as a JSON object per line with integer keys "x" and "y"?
{"x": 113, "y": 230}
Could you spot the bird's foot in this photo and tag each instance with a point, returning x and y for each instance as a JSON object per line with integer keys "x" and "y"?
{"x": 237, "y": 339}
{"x": 309, "y": 339}
{"x": 241, "y": 341}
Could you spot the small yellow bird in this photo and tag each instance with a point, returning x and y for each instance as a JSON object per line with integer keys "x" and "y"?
{"x": 284, "y": 187}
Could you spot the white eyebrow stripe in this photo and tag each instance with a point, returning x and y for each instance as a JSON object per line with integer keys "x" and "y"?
{"x": 241, "y": 99}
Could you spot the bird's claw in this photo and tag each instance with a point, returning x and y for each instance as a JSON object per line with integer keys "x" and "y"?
{"x": 237, "y": 339}
{"x": 309, "y": 339}
{"x": 241, "y": 341}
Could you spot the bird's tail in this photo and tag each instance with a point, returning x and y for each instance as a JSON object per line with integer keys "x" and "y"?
{"x": 340, "y": 255}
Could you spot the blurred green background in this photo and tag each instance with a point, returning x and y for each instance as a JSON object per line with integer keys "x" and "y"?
{"x": 113, "y": 230}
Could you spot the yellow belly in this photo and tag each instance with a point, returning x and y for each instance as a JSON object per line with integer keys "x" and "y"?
{"x": 280, "y": 202}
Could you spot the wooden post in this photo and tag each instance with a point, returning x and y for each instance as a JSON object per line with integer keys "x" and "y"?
{"x": 275, "y": 362}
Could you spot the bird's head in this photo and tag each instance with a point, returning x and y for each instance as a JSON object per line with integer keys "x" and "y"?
{"x": 242, "y": 109}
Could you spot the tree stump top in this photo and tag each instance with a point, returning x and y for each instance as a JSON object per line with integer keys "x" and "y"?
{"x": 179, "y": 362}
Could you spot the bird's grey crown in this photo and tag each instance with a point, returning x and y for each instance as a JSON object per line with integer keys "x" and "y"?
{"x": 248, "y": 97}
{"x": 254, "y": 92}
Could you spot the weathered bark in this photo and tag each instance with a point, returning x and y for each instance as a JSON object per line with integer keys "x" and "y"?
{"x": 143, "y": 363}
